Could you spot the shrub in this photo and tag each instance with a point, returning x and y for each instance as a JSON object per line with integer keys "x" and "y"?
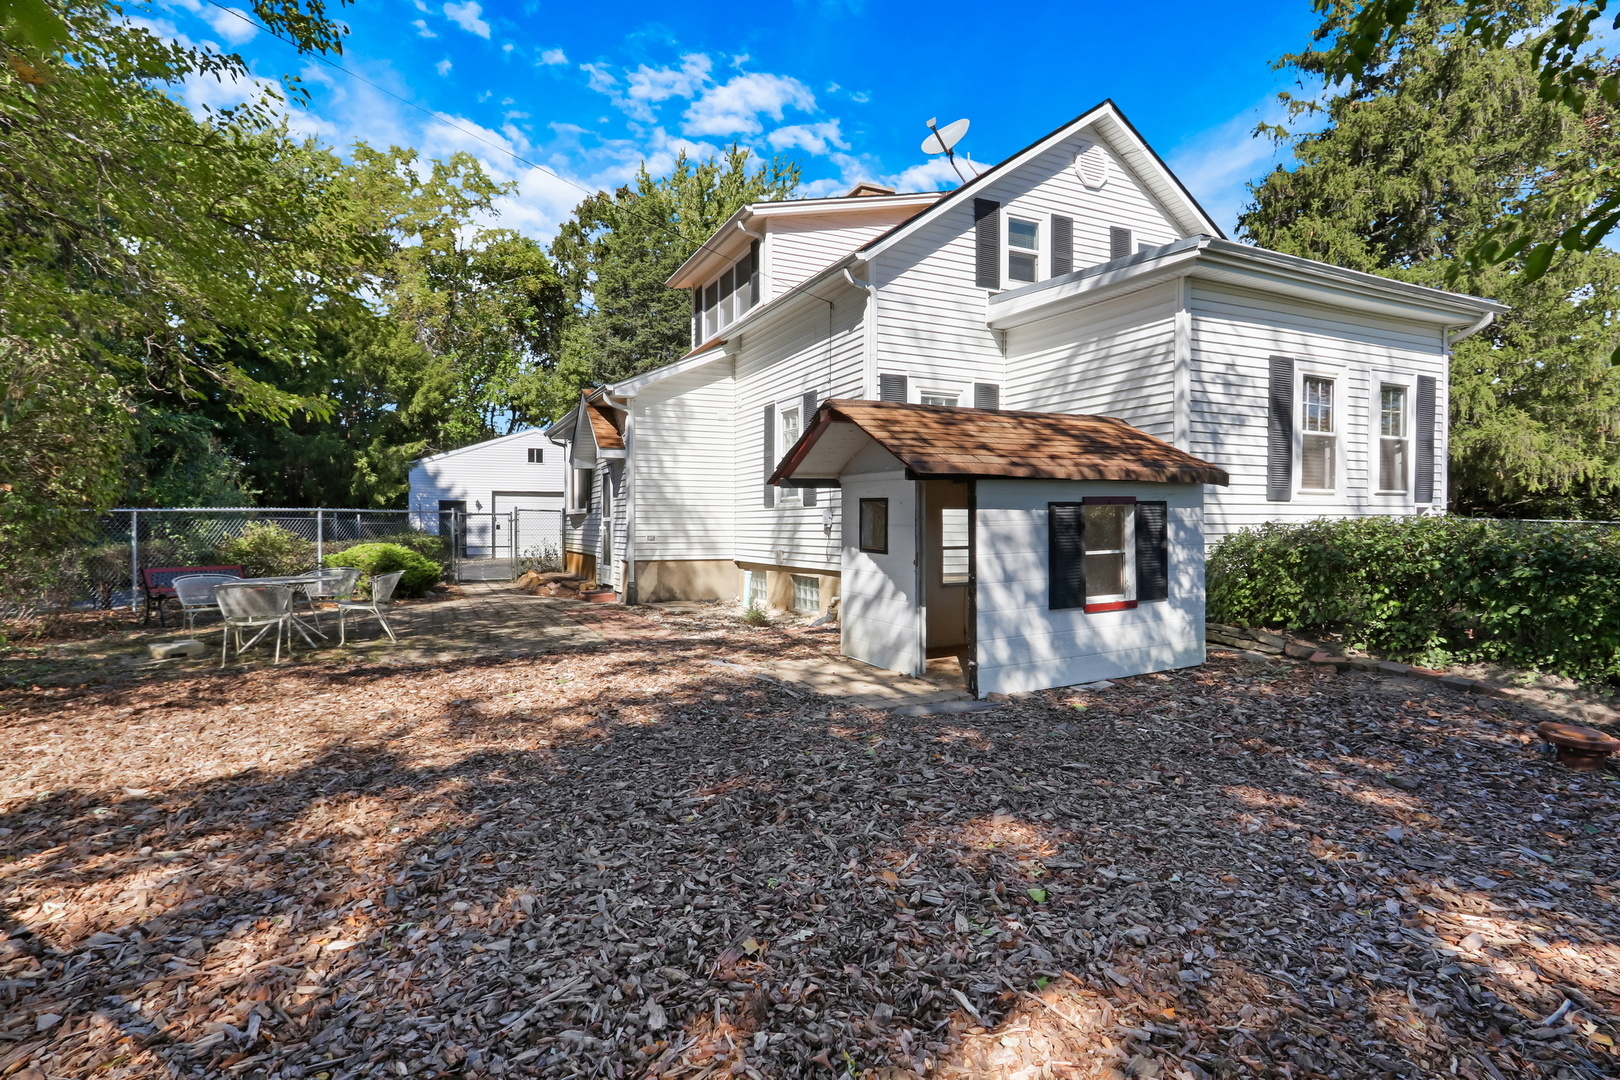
{"x": 266, "y": 550}
{"x": 1539, "y": 596}
{"x": 754, "y": 615}
{"x": 421, "y": 573}
{"x": 433, "y": 548}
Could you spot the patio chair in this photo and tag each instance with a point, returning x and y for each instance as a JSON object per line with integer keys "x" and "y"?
{"x": 196, "y": 593}
{"x": 336, "y": 584}
{"x": 245, "y": 605}
{"x": 382, "y": 593}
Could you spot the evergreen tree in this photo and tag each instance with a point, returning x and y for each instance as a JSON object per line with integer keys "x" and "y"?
{"x": 1403, "y": 173}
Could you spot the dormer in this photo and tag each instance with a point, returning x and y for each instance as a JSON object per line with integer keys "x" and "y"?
{"x": 765, "y": 249}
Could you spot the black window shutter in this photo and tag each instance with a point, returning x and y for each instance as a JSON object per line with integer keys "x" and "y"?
{"x": 1423, "y": 475}
{"x": 1062, "y": 244}
{"x": 1065, "y": 559}
{"x": 805, "y": 414}
{"x": 986, "y": 395}
{"x": 753, "y": 273}
{"x": 987, "y": 231}
{"x": 1280, "y": 431}
{"x": 1152, "y": 552}
{"x": 770, "y": 453}
{"x": 1119, "y": 242}
{"x": 891, "y": 388}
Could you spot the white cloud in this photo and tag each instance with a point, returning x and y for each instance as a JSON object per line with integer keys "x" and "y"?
{"x": 660, "y": 84}
{"x": 422, "y": 29}
{"x": 234, "y": 25}
{"x": 1218, "y": 164}
{"x": 935, "y": 174}
{"x": 733, "y": 107}
{"x": 443, "y": 67}
{"x": 508, "y": 47}
{"x": 811, "y": 138}
{"x": 466, "y": 16}
{"x": 552, "y": 57}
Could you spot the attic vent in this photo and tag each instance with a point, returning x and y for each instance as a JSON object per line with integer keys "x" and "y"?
{"x": 866, "y": 188}
{"x": 891, "y": 388}
{"x": 1092, "y": 167}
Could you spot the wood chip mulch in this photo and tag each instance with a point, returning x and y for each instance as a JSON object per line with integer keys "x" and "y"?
{"x": 627, "y": 861}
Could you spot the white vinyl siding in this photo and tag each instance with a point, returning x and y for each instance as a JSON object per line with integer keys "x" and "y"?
{"x": 685, "y": 466}
{"x": 1234, "y": 334}
{"x": 492, "y": 477}
{"x": 802, "y": 246}
{"x": 1022, "y": 645}
{"x": 929, "y": 312}
{"x": 790, "y": 356}
{"x": 1113, "y": 359}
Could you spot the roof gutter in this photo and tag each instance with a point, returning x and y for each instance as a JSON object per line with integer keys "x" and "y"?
{"x": 1475, "y": 327}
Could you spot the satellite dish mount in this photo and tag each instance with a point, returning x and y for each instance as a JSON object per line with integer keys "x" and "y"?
{"x": 943, "y": 140}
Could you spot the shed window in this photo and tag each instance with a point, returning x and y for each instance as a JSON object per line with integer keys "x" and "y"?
{"x": 1319, "y": 438}
{"x": 875, "y": 526}
{"x": 1106, "y": 553}
{"x": 537, "y": 455}
{"x": 953, "y": 562}
{"x": 1392, "y": 436}
{"x": 806, "y": 593}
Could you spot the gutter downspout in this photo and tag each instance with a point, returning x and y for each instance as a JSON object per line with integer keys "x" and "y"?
{"x": 764, "y": 268}
{"x": 869, "y": 365}
{"x": 1473, "y": 328}
{"x": 629, "y": 503}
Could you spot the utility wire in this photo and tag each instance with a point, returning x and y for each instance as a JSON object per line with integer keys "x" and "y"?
{"x": 445, "y": 120}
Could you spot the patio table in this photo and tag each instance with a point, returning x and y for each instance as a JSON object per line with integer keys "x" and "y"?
{"x": 300, "y": 583}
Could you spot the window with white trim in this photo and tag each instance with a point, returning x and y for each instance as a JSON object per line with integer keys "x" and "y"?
{"x": 788, "y": 429}
{"x": 726, "y": 298}
{"x": 1023, "y": 250}
{"x": 1393, "y": 429}
{"x": 953, "y": 558}
{"x": 1108, "y": 551}
{"x": 1319, "y": 440}
{"x": 537, "y": 455}
{"x": 939, "y": 397}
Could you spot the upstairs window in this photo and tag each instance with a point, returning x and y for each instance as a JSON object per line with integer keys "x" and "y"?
{"x": 938, "y": 397}
{"x": 1392, "y": 436}
{"x": 732, "y": 293}
{"x": 1319, "y": 436}
{"x": 1023, "y": 250}
{"x": 537, "y": 456}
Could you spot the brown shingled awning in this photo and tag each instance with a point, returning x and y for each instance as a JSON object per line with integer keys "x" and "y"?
{"x": 607, "y": 436}
{"x": 940, "y": 442}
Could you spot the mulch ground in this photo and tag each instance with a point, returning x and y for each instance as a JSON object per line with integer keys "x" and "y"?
{"x": 626, "y": 861}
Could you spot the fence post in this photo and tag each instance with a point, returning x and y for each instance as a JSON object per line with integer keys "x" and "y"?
{"x": 319, "y": 562}
{"x": 134, "y": 561}
{"x": 512, "y": 527}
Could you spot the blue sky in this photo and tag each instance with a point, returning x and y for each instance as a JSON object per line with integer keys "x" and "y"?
{"x": 590, "y": 91}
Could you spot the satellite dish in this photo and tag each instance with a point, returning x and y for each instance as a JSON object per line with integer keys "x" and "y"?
{"x": 943, "y": 139}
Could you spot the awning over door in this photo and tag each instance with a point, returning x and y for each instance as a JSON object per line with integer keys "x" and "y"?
{"x": 936, "y": 442}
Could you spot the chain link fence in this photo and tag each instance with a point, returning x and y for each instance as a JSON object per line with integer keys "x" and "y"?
{"x": 102, "y": 568}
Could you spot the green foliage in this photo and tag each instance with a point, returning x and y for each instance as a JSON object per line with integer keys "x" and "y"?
{"x": 1363, "y": 39}
{"x": 618, "y": 250}
{"x": 267, "y": 550}
{"x": 1418, "y": 160}
{"x": 421, "y": 573}
{"x": 1544, "y": 597}
{"x": 754, "y": 615}
{"x": 177, "y": 459}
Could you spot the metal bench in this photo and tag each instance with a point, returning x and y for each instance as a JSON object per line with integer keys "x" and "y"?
{"x": 158, "y": 584}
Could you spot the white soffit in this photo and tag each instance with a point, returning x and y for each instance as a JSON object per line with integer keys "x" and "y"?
{"x": 832, "y": 451}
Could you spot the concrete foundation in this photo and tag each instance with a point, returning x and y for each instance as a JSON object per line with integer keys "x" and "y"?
{"x": 779, "y": 584}
{"x": 685, "y": 579}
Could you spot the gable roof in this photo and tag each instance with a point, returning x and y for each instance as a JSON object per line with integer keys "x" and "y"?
{"x": 950, "y": 442}
{"x": 1125, "y": 140}
{"x": 535, "y": 434}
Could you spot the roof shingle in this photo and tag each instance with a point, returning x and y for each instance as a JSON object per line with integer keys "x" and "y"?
{"x": 936, "y": 441}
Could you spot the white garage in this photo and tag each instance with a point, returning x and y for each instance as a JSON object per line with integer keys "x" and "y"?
{"x": 501, "y": 499}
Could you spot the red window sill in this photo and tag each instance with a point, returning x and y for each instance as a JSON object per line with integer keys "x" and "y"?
{"x": 1117, "y": 605}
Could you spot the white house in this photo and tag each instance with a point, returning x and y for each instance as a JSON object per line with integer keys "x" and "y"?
{"x": 482, "y": 485}
{"x": 1077, "y": 277}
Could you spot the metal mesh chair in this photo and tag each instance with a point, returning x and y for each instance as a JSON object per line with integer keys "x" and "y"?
{"x": 196, "y": 593}
{"x": 335, "y": 584}
{"x": 382, "y": 593}
{"x": 245, "y": 605}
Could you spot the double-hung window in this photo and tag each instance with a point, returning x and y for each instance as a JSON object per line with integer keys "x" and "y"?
{"x": 1107, "y": 553}
{"x": 1318, "y": 435}
{"x": 1023, "y": 250}
{"x": 1392, "y": 438}
{"x": 954, "y": 559}
{"x": 788, "y": 430}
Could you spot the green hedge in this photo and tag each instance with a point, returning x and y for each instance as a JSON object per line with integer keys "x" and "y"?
{"x": 267, "y": 550}
{"x": 421, "y": 573}
{"x": 1545, "y": 597}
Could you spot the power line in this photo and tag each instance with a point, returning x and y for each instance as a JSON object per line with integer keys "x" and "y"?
{"x": 445, "y": 120}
